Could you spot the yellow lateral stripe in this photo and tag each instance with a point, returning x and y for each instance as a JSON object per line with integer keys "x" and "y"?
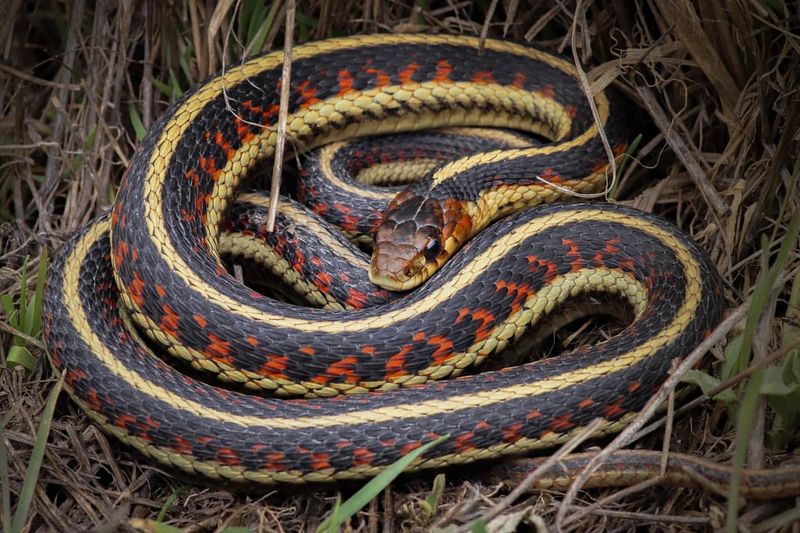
{"x": 408, "y": 411}
{"x": 504, "y": 245}
{"x": 298, "y": 216}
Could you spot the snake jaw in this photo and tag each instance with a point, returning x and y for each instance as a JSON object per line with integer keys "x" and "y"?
{"x": 417, "y": 236}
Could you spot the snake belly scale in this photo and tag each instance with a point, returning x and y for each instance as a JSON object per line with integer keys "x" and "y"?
{"x": 154, "y": 260}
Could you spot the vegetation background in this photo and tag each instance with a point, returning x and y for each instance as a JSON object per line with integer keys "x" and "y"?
{"x": 715, "y": 84}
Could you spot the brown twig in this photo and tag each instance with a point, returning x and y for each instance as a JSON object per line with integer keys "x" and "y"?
{"x": 280, "y": 144}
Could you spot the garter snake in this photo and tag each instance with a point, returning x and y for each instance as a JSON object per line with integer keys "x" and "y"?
{"x": 155, "y": 260}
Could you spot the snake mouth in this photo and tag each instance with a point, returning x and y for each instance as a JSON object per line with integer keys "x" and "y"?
{"x": 417, "y": 236}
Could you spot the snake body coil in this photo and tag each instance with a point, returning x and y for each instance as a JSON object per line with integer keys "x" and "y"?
{"x": 155, "y": 259}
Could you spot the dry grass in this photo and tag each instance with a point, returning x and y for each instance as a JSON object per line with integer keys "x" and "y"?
{"x": 715, "y": 84}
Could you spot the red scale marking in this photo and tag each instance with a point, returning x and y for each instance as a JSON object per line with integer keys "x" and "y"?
{"x": 571, "y": 110}
{"x": 343, "y": 368}
{"x": 299, "y": 261}
{"x": 74, "y": 376}
{"x": 218, "y": 350}
{"x": 588, "y": 402}
{"x": 228, "y": 456}
{"x": 274, "y": 462}
{"x": 362, "y": 457}
{"x": 181, "y": 446}
{"x": 120, "y": 253}
{"x": 444, "y": 349}
{"x": 395, "y": 366}
{"x": 483, "y": 315}
{"x": 547, "y": 91}
{"x": 551, "y": 268}
{"x": 252, "y": 341}
{"x": 274, "y": 367}
{"x": 551, "y": 176}
{"x": 170, "y": 322}
{"x": 122, "y": 421}
{"x": 320, "y": 461}
{"x": 533, "y": 414}
{"x": 483, "y": 76}
{"x": 512, "y": 433}
{"x": 160, "y": 290}
{"x": 135, "y": 288}
{"x": 243, "y": 131}
{"x": 561, "y": 423}
{"x": 382, "y": 79}
{"x": 574, "y": 252}
{"x": 200, "y": 320}
{"x": 464, "y": 442}
{"x": 408, "y": 448}
{"x": 94, "y": 400}
{"x": 521, "y": 292}
{"x": 355, "y": 298}
{"x": 308, "y": 94}
{"x": 519, "y": 80}
{"x": 308, "y": 350}
{"x": 323, "y": 282}
{"x": 407, "y": 73}
{"x": 443, "y": 70}
{"x": 209, "y": 164}
{"x": 633, "y": 386}
{"x": 345, "y": 80}
{"x": 614, "y": 409}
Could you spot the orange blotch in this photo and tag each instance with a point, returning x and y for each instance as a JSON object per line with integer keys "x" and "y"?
{"x": 200, "y": 320}
{"x": 407, "y": 73}
{"x": 135, "y": 289}
{"x": 483, "y": 76}
{"x": 218, "y": 350}
{"x": 561, "y": 423}
{"x": 308, "y": 350}
{"x": 355, "y": 299}
{"x": 362, "y": 457}
{"x": 252, "y": 341}
{"x": 633, "y": 386}
{"x": 228, "y": 456}
{"x": 574, "y": 252}
{"x": 519, "y": 80}
{"x": 345, "y": 80}
{"x": 160, "y": 290}
{"x": 443, "y": 70}
{"x": 274, "y": 367}
{"x": 395, "y": 366}
{"x": 381, "y": 78}
{"x": 410, "y": 447}
{"x": 444, "y": 349}
{"x": 181, "y": 446}
{"x": 587, "y": 402}
{"x": 323, "y": 282}
{"x": 547, "y": 92}
{"x": 122, "y": 421}
{"x": 344, "y": 368}
{"x": 320, "y": 461}
{"x": 308, "y": 94}
{"x": 274, "y": 462}
{"x": 93, "y": 400}
{"x": 551, "y": 269}
{"x": 170, "y": 321}
{"x": 614, "y": 409}
{"x": 512, "y": 433}
{"x": 464, "y": 442}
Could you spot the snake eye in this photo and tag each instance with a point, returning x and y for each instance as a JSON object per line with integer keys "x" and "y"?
{"x": 432, "y": 249}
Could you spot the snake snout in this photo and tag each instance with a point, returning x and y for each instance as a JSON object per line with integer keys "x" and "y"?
{"x": 408, "y": 242}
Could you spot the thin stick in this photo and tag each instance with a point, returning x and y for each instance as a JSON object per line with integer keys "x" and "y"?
{"x": 280, "y": 145}
{"x": 626, "y": 436}
{"x": 540, "y": 471}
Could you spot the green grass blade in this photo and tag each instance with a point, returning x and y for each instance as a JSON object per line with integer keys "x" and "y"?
{"x": 138, "y": 127}
{"x": 23, "y": 297}
{"x": 361, "y": 498}
{"x": 37, "y": 455}
{"x": 5, "y": 479}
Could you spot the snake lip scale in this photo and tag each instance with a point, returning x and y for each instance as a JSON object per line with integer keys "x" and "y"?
{"x": 154, "y": 260}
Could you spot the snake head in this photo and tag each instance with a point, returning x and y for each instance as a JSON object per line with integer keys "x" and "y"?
{"x": 417, "y": 235}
